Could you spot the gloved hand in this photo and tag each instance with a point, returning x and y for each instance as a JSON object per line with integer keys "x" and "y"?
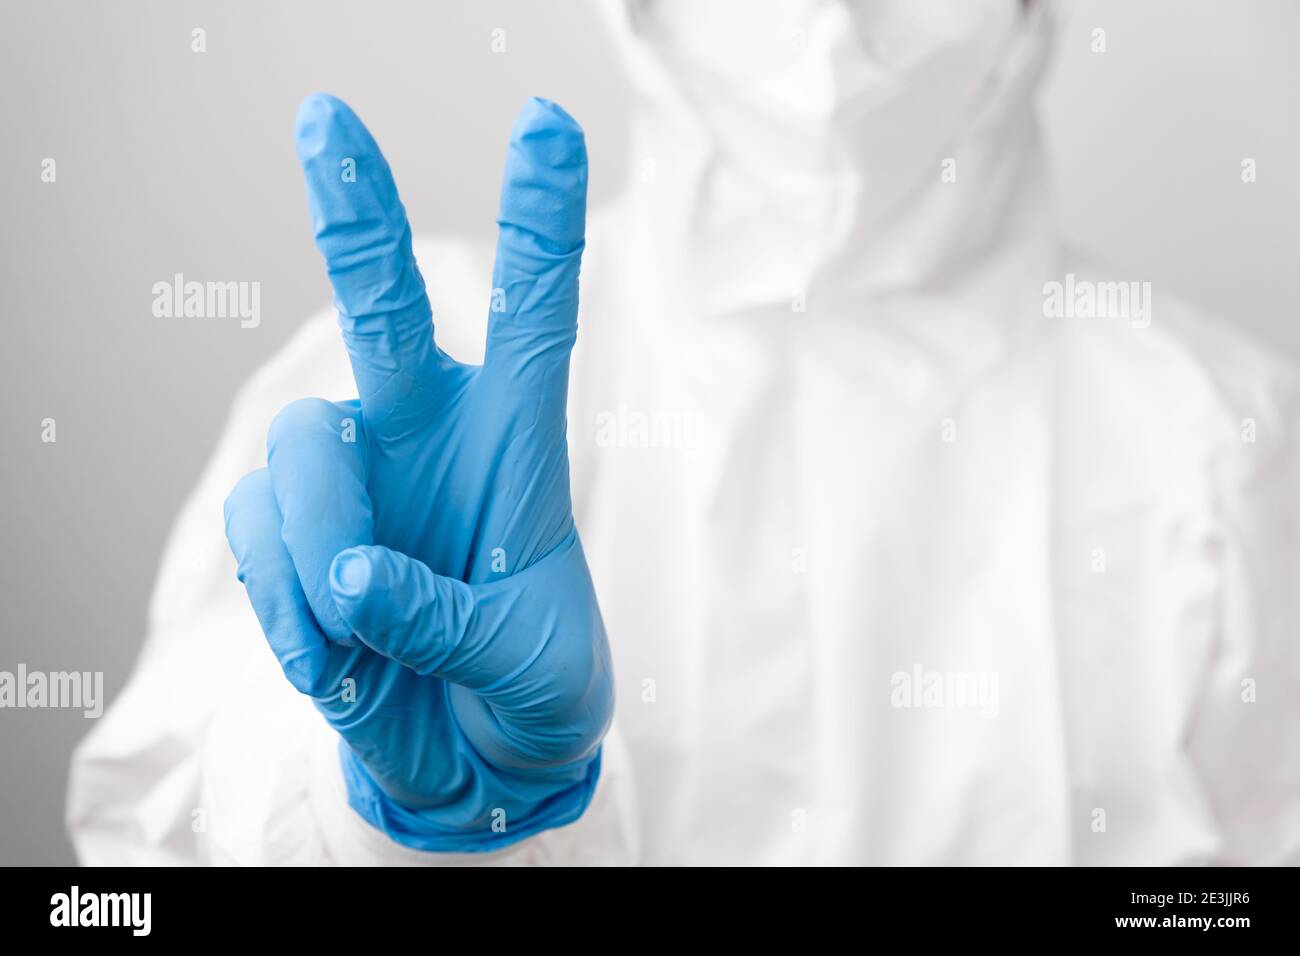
{"x": 412, "y": 557}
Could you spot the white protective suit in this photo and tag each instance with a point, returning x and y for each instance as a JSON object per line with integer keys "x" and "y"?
{"x": 896, "y": 567}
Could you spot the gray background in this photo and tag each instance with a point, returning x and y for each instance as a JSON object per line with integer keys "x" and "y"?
{"x": 170, "y": 161}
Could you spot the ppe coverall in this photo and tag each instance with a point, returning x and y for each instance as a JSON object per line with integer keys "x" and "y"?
{"x": 898, "y": 563}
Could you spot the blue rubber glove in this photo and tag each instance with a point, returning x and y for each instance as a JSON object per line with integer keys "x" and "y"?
{"x": 412, "y": 557}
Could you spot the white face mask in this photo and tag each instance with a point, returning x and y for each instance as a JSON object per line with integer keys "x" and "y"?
{"x": 797, "y": 88}
{"x": 800, "y": 144}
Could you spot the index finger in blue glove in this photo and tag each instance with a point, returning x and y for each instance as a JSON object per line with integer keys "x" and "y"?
{"x": 361, "y": 229}
{"x": 542, "y": 224}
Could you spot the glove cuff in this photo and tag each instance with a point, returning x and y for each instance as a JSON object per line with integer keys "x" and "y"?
{"x": 496, "y": 827}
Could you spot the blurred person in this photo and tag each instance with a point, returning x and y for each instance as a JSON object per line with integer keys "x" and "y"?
{"x": 916, "y": 539}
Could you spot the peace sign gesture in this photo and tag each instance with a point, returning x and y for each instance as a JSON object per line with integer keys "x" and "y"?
{"x": 412, "y": 557}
